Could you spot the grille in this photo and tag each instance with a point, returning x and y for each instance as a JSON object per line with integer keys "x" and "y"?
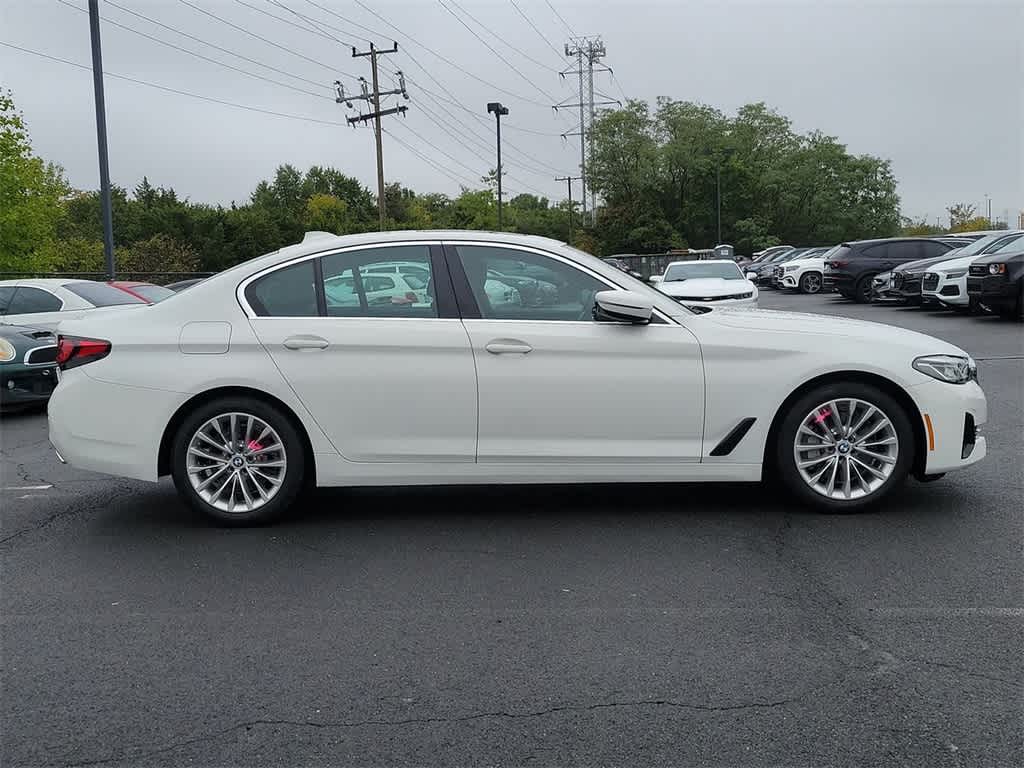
{"x": 980, "y": 270}
{"x": 897, "y": 280}
{"x": 930, "y": 282}
{"x": 747, "y": 295}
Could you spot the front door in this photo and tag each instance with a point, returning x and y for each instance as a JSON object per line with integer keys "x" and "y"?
{"x": 381, "y": 361}
{"x": 556, "y": 386}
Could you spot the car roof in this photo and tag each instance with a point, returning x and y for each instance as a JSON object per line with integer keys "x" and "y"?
{"x": 702, "y": 261}
{"x": 43, "y": 282}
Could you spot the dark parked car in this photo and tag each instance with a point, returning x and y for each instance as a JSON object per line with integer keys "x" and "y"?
{"x": 181, "y": 285}
{"x": 764, "y": 269}
{"x": 28, "y": 369}
{"x": 851, "y": 269}
{"x": 996, "y": 282}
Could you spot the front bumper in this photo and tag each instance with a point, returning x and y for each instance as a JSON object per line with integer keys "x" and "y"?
{"x": 944, "y": 291}
{"x": 26, "y": 385}
{"x": 952, "y": 415}
{"x": 993, "y": 291}
{"x": 750, "y": 303}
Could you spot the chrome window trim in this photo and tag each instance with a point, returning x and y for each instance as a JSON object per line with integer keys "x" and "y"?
{"x": 251, "y": 315}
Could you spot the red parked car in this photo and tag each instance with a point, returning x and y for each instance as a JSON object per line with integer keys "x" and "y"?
{"x": 146, "y": 291}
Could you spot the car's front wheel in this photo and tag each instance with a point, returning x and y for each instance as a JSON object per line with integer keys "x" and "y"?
{"x": 810, "y": 283}
{"x": 844, "y": 446}
{"x": 238, "y": 460}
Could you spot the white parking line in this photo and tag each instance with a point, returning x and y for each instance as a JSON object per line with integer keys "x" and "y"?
{"x": 27, "y": 487}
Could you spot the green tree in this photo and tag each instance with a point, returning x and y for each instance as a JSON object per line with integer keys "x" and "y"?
{"x": 160, "y": 253}
{"x": 30, "y": 195}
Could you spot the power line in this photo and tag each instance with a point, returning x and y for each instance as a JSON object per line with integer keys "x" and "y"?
{"x": 493, "y": 50}
{"x": 309, "y": 21}
{"x": 373, "y": 32}
{"x": 199, "y": 55}
{"x": 502, "y": 40}
{"x": 445, "y": 59}
{"x": 212, "y": 45}
{"x": 245, "y": 31}
{"x": 537, "y": 30}
{"x": 458, "y": 178}
{"x": 283, "y": 20}
{"x": 564, "y": 22}
{"x": 108, "y": 73}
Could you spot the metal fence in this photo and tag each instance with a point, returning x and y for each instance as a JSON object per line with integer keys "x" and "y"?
{"x": 160, "y": 278}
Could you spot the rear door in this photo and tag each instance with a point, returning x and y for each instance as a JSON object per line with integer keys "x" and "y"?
{"x": 387, "y": 373}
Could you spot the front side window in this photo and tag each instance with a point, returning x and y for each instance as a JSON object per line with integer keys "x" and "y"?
{"x": 1009, "y": 244}
{"x": 698, "y": 269}
{"x": 391, "y": 281}
{"x": 29, "y": 301}
{"x": 286, "y": 292}
{"x": 510, "y": 284}
{"x": 6, "y": 294}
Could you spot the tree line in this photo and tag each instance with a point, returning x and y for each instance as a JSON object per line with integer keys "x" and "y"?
{"x": 657, "y": 171}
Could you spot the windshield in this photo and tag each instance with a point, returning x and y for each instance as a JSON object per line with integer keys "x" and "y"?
{"x": 1011, "y": 244}
{"x": 699, "y": 269}
{"x": 101, "y": 294}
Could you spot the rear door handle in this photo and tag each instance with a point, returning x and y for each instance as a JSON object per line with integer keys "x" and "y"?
{"x": 507, "y": 346}
{"x": 306, "y": 342}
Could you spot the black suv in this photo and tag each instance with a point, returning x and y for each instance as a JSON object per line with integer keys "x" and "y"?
{"x": 852, "y": 267}
{"x": 997, "y": 283}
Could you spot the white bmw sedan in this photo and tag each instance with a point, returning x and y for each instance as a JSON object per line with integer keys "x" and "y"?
{"x": 259, "y": 382}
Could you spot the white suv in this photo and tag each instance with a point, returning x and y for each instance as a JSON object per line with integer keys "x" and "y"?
{"x": 806, "y": 273}
{"x": 945, "y": 283}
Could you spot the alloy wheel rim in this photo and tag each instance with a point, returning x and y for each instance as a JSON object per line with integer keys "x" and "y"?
{"x": 236, "y": 462}
{"x": 812, "y": 283}
{"x": 846, "y": 449}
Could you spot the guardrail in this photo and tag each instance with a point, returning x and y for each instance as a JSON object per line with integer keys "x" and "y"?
{"x": 160, "y": 278}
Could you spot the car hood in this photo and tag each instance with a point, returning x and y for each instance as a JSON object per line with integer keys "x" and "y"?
{"x": 811, "y": 262}
{"x": 920, "y": 265}
{"x": 705, "y": 286}
{"x": 948, "y": 266}
{"x": 827, "y": 325}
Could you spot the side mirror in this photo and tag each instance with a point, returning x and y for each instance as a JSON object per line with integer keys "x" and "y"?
{"x": 655, "y": 279}
{"x": 751, "y": 275}
{"x": 622, "y": 307}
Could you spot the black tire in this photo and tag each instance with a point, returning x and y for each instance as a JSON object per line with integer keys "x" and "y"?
{"x": 811, "y": 283}
{"x": 294, "y": 451}
{"x": 862, "y": 291}
{"x": 785, "y": 461}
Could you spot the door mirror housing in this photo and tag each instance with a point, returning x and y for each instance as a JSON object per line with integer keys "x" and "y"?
{"x": 751, "y": 275}
{"x": 655, "y": 279}
{"x": 622, "y": 307}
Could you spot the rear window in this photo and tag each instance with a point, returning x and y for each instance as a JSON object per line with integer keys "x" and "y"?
{"x": 101, "y": 294}
{"x": 153, "y": 293}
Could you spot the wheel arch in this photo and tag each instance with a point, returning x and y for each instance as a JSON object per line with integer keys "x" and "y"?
{"x": 891, "y": 388}
{"x": 210, "y": 395}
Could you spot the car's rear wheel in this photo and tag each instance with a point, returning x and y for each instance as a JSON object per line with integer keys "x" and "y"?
{"x": 844, "y": 446}
{"x": 239, "y": 461}
{"x": 810, "y": 283}
{"x": 862, "y": 291}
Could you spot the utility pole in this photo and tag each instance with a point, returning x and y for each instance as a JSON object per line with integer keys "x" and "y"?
{"x": 373, "y": 98}
{"x": 569, "y": 180}
{"x": 988, "y": 207}
{"x": 498, "y": 110}
{"x": 588, "y": 52}
{"x": 718, "y": 199}
{"x": 101, "y": 137}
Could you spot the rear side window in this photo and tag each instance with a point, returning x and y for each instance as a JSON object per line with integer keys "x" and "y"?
{"x": 6, "y": 294}
{"x": 101, "y": 294}
{"x": 385, "y": 281}
{"x": 286, "y": 292}
{"x": 29, "y": 300}
{"x": 935, "y": 249}
{"x": 905, "y": 251}
{"x": 153, "y": 293}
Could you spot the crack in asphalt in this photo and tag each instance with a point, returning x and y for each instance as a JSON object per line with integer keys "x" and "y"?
{"x": 320, "y": 724}
{"x": 966, "y": 671}
{"x": 73, "y": 508}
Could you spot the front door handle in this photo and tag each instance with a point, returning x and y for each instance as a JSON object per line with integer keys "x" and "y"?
{"x": 306, "y": 342}
{"x": 507, "y": 346}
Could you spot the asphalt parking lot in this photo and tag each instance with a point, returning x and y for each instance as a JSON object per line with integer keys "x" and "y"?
{"x": 693, "y": 625}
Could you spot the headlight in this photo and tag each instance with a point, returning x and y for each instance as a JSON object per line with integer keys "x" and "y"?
{"x": 950, "y": 368}
{"x": 997, "y": 269}
{"x": 7, "y": 351}
{"x": 956, "y": 274}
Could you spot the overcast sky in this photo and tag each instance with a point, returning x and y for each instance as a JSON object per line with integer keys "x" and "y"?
{"x": 936, "y": 86}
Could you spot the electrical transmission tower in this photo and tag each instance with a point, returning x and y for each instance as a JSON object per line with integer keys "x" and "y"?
{"x": 587, "y": 53}
{"x": 373, "y": 98}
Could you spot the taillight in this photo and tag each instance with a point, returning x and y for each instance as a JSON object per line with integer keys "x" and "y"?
{"x": 73, "y": 351}
{"x": 838, "y": 264}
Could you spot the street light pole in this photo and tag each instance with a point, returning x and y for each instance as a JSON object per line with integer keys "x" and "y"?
{"x": 101, "y": 137}
{"x": 718, "y": 200}
{"x": 498, "y": 110}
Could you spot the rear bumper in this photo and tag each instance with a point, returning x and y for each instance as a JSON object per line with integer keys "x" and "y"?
{"x": 24, "y": 385}
{"x": 839, "y": 281}
{"x": 109, "y": 428}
